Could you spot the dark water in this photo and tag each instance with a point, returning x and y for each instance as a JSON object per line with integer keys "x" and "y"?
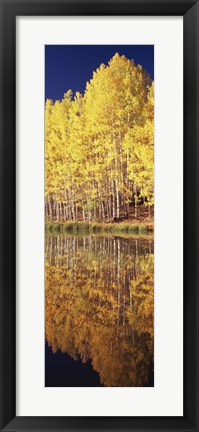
{"x": 99, "y": 311}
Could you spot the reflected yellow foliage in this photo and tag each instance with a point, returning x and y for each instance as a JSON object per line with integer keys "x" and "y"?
{"x": 99, "y": 306}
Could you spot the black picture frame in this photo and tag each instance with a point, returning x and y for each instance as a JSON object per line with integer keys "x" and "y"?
{"x": 9, "y": 11}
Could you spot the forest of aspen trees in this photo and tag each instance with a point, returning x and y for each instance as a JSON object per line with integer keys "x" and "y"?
{"x": 99, "y": 148}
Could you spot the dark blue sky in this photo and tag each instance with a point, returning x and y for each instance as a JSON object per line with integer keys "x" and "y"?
{"x": 71, "y": 66}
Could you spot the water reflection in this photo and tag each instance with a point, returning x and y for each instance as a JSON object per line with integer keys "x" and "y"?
{"x": 100, "y": 304}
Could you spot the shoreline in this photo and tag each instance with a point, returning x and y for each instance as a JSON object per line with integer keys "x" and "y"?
{"x": 130, "y": 227}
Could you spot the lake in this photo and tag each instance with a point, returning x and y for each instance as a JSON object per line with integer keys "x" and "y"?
{"x": 99, "y": 311}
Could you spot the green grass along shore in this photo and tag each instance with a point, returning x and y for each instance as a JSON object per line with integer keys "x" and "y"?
{"x": 94, "y": 227}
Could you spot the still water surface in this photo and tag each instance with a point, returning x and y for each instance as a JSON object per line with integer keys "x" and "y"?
{"x": 99, "y": 311}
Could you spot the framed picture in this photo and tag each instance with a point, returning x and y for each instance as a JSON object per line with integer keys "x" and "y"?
{"x": 99, "y": 209}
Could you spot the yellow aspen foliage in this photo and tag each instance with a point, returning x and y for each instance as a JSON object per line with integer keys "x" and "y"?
{"x": 99, "y": 147}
